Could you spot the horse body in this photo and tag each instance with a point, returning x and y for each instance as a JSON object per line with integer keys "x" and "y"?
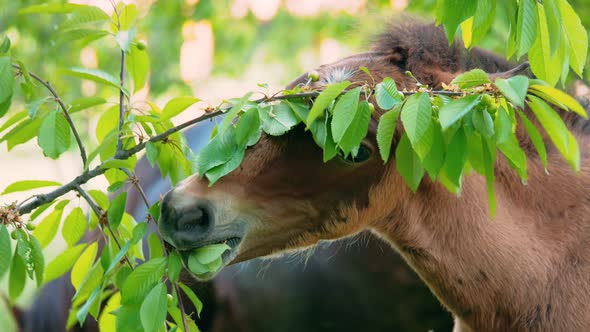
{"x": 525, "y": 270}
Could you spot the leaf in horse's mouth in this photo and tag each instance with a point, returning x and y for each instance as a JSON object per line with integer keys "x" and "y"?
{"x": 207, "y": 259}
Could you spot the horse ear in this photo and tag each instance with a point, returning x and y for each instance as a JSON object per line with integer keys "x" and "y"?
{"x": 522, "y": 69}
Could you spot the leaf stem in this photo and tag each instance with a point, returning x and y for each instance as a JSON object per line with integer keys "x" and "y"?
{"x": 63, "y": 107}
{"x": 121, "y": 103}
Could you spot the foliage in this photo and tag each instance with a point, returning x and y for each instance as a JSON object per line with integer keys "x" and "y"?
{"x": 444, "y": 134}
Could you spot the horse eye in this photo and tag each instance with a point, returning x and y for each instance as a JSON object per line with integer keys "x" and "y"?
{"x": 363, "y": 154}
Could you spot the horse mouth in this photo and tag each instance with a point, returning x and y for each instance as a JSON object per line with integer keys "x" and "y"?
{"x": 226, "y": 258}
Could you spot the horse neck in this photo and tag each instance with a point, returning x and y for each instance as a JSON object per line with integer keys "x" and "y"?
{"x": 492, "y": 271}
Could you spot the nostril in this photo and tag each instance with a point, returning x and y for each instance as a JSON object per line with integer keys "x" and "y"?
{"x": 192, "y": 219}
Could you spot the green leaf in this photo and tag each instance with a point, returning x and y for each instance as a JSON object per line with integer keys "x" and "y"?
{"x": 85, "y": 36}
{"x": 543, "y": 65}
{"x": 16, "y": 117}
{"x": 434, "y": 160}
{"x": 22, "y": 133}
{"x": 154, "y": 210}
{"x": 238, "y": 105}
{"x": 387, "y": 95}
{"x": 63, "y": 263}
{"x": 416, "y": 116}
{"x": 220, "y": 150}
{"x": 155, "y": 246}
{"x": 118, "y": 257}
{"x": 142, "y": 280}
{"x": 453, "y": 12}
{"x": 482, "y": 20}
{"x": 50, "y": 8}
{"x": 95, "y": 75}
{"x": 455, "y": 110}
{"x": 483, "y": 123}
{"x": 125, "y": 38}
{"x": 385, "y": 132}
{"x": 152, "y": 152}
{"x": 526, "y": 26}
{"x": 514, "y": 88}
{"x": 5, "y": 250}
{"x": 138, "y": 65}
{"x": 456, "y": 158}
{"x": 153, "y": 309}
{"x": 16, "y": 282}
{"x": 6, "y": 84}
{"x": 5, "y": 46}
{"x": 116, "y": 210}
{"x": 47, "y": 228}
{"x": 128, "y": 319}
{"x": 217, "y": 172}
{"x": 37, "y": 259}
{"x": 54, "y": 135}
{"x": 85, "y": 16}
{"x": 471, "y": 78}
{"x": 511, "y": 149}
{"x": 344, "y": 113}
{"x": 554, "y": 24}
{"x": 557, "y": 131}
{"x": 176, "y": 105}
{"x": 489, "y": 157}
{"x": 81, "y": 104}
{"x": 408, "y": 163}
{"x": 174, "y": 266}
{"x": 248, "y": 130}
{"x": 277, "y": 119}
{"x": 28, "y": 185}
{"x": 357, "y": 130}
{"x": 208, "y": 254}
{"x": 325, "y": 99}
{"x": 191, "y": 295}
{"x": 577, "y": 36}
{"x": 23, "y": 249}
{"x": 139, "y": 231}
{"x": 559, "y": 98}
{"x": 75, "y": 226}
{"x": 536, "y": 137}
{"x": 83, "y": 264}
{"x": 84, "y": 310}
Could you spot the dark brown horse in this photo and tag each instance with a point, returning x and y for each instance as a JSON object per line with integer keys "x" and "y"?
{"x": 527, "y": 270}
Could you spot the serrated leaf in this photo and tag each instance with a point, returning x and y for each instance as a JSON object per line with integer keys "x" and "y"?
{"x": 454, "y": 111}
{"x": 38, "y": 260}
{"x": 330, "y": 148}
{"x": 543, "y": 65}
{"x": 514, "y": 88}
{"x": 16, "y": 117}
{"x": 5, "y": 250}
{"x": 238, "y": 105}
{"x": 483, "y": 123}
{"x": 416, "y": 116}
{"x": 408, "y": 163}
{"x": 116, "y": 210}
{"x": 344, "y": 113}
{"x": 456, "y": 158}
{"x": 6, "y": 84}
{"x": 75, "y": 226}
{"x": 138, "y": 232}
{"x": 191, "y": 295}
{"x": 557, "y": 131}
{"x": 325, "y": 99}
{"x": 174, "y": 266}
{"x": 482, "y": 20}
{"x": 81, "y": 104}
{"x": 153, "y": 309}
{"x": 28, "y": 185}
{"x": 526, "y": 26}
{"x": 434, "y": 160}
{"x": 95, "y": 75}
{"x": 83, "y": 264}
{"x": 108, "y": 319}
{"x": 176, "y": 105}
{"x": 63, "y": 262}
{"x": 152, "y": 152}
{"x": 559, "y": 98}
{"x": 453, "y": 12}
{"x": 357, "y": 130}
{"x": 138, "y": 65}
{"x": 155, "y": 246}
{"x": 471, "y": 78}
{"x": 142, "y": 279}
{"x": 47, "y": 228}
{"x": 576, "y": 35}
{"x": 489, "y": 157}
{"x": 554, "y": 24}
{"x": 536, "y": 138}
{"x": 219, "y": 151}
{"x": 16, "y": 282}
{"x": 217, "y": 172}
{"x": 248, "y": 129}
{"x": 385, "y": 132}
{"x": 386, "y": 94}
{"x": 276, "y": 120}
{"x": 208, "y": 254}
{"x": 54, "y": 135}
{"x": 84, "y": 16}
{"x": 85, "y": 309}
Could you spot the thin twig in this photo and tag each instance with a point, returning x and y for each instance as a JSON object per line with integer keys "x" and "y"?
{"x": 63, "y": 107}
{"x": 181, "y": 305}
{"x": 135, "y": 182}
{"x": 95, "y": 208}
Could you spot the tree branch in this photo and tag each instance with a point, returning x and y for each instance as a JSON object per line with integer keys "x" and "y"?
{"x": 63, "y": 107}
{"x": 95, "y": 208}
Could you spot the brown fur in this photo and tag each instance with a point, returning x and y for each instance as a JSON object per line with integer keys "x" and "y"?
{"x": 525, "y": 270}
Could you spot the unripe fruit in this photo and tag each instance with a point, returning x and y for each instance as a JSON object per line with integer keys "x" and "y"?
{"x": 314, "y": 75}
{"x": 14, "y": 235}
{"x": 31, "y": 227}
{"x": 141, "y": 45}
{"x": 170, "y": 299}
{"x": 371, "y": 107}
